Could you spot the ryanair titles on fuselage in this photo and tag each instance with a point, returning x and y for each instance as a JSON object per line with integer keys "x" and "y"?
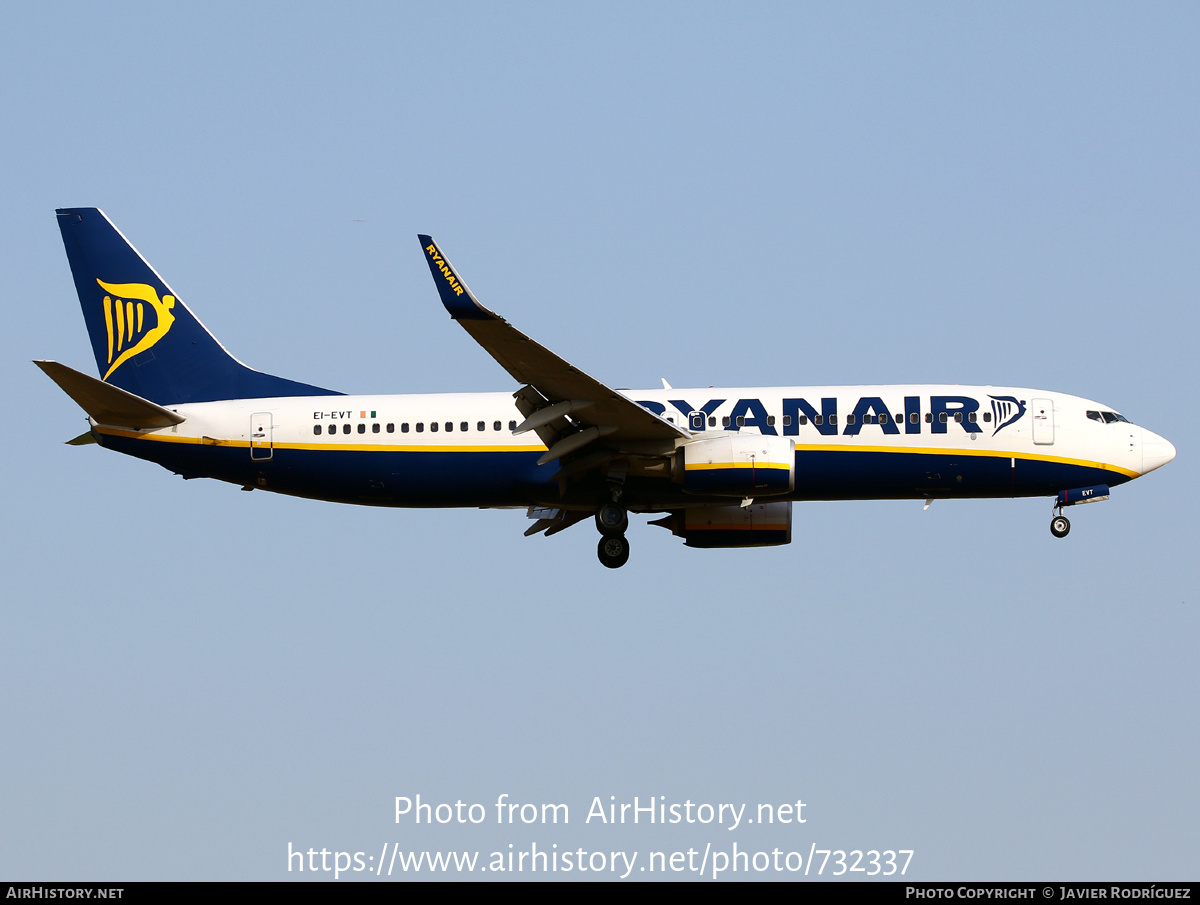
{"x": 935, "y": 415}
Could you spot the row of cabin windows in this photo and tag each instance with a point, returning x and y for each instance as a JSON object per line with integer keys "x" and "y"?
{"x": 883, "y": 418}
{"x": 404, "y": 427}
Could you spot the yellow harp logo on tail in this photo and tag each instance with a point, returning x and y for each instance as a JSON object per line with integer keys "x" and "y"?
{"x": 129, "y": 333}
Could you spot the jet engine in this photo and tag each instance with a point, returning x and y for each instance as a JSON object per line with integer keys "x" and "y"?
{"x": 756, "y": 525}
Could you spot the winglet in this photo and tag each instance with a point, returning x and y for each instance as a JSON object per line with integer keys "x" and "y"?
{"x": 458, "y": 299}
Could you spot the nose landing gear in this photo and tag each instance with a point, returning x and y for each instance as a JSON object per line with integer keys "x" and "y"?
{"x": 1059, "y": 526}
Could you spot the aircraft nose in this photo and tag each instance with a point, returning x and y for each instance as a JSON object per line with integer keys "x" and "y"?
{"x": 1156, "y": 451}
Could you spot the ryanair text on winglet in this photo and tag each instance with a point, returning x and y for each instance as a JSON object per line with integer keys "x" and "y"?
{"x": 444, "y": 268}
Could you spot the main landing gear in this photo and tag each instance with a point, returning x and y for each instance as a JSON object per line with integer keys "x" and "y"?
{"x": 612, "y": 520}
{"x": 1060, "y": 526}
{"x": 613, "y": 551}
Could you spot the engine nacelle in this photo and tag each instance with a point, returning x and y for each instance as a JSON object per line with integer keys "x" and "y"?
{"x": 756, "y": 525}
{"x": 739, "y": 465}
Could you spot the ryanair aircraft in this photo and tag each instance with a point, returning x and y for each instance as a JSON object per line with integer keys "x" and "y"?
{"x": 721, "y": 467}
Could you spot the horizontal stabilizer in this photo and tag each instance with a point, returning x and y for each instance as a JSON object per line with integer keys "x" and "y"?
{"x": 107, "y": 404}
{"x": 85, "y": 439}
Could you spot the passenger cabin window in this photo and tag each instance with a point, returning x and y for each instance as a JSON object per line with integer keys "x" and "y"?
{"x": 464, "y": 426}
{"x": 914, "y": 418}
{"x": 942, "y": 417}
{"x": 849, "y": 418}
{"x": 741, "y": 420}
{"x": 787, "y": 420}
{"x": 433, "y": 427}
{"x": 512, "y": 425}
{"x": 832, "y": 419}
{"x": 712, "y": 421}
{"x": 332, "y": 428}
{"x": 929, "y": 417}
{"x": 449, "y": 426}
{"x": 804, "y": 419}
{"x": 973, "y": 417}
{"x": 391, "y": 428}
{"x": 375, "y": 428}
{"x": 987, "y": 417}
{"x": 481, "y": 426}
{"x": 957, "y": 417}
{"x": 345, "y": 428}
{"x": 818, "y": 419}
{"x": 725, "y": 421}
{"x": 495, "y": 425}
{"x": 362, "y": 428}
{"x": 771, "y": 420}
{"x": 404, "y": 427}
{"x": 316, "y": 428}
{"x": 420, "y": 427}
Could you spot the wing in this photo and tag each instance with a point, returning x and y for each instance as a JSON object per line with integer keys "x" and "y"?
{"x": 565, "y": 406}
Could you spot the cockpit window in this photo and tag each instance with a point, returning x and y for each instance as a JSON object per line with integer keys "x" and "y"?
{"x": 1113, "y": 418}
{"x": 1096, "y": 416}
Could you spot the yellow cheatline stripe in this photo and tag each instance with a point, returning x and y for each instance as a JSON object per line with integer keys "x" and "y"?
{"x": 982, "y": 453}
{"x": 703, "y": 466}
{"x": 367, "y": 447}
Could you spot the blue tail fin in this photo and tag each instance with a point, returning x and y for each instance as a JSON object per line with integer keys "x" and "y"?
{"x": 145, "y": 339}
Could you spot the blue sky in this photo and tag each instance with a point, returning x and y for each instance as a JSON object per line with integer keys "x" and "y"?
{"x": 192, "y": 677}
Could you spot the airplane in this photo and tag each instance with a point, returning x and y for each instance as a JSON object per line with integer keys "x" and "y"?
{"x": 721, "y": 467}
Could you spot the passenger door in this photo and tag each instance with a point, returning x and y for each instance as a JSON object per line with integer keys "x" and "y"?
{"x": 1043, "y": 421}
{"x": 261, "y": 428}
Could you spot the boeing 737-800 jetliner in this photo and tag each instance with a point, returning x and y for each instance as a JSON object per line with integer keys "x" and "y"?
{"x": 721, "y": 466}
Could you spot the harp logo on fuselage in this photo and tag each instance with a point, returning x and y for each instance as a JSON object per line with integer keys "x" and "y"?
{"x": 130, "y": 331}
{"x": 1006, "y": 409}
